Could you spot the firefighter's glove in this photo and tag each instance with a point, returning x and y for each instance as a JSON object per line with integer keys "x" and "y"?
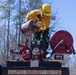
{"x": 38, "y": 24}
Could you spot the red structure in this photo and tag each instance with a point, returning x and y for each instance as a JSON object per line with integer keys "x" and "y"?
{"x": 62, "y": 42}
{"x": 25, "y": 51}
{"x": 42, "y": 55}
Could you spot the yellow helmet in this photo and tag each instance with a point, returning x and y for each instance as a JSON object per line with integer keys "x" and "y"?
{"x": 46, "y": 9}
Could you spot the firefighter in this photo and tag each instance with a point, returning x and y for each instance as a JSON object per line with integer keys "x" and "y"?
{"x": 43, "y": 18}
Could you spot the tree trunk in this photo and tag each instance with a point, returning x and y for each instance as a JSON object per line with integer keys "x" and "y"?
{"x": 8, "y": 31}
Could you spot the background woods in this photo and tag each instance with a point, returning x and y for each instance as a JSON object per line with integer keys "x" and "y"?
{"x": 12, "y": 15}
